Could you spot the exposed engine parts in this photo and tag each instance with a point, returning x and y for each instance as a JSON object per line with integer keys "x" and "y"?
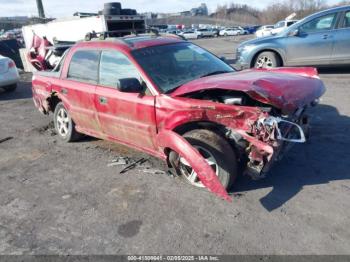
{"x": 277, "y": 132}
{"x": 272, "y": 128}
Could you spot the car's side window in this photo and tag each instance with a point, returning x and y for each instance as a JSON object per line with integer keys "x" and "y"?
{"x": 84, "y": 66}
{"x": 319, "y": 24}
{"x": 115, "y": 66}
{"x": 346, "y": 23}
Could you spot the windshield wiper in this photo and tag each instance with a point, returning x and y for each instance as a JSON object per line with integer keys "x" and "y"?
{"x": 215, "y": 73}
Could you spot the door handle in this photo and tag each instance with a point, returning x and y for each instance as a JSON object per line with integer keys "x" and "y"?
{"x": 103, "y": 100}
{"x": 325, "y": 36}
{"x": 64, "y": 91}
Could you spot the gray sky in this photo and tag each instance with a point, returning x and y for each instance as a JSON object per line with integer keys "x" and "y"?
{"x": 62, "y": 8}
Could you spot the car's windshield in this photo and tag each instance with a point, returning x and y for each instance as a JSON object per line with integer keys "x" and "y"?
{"x": 170, "y": 66}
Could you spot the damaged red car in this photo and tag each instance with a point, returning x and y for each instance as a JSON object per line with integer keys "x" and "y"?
{"x": 176, "y": 101}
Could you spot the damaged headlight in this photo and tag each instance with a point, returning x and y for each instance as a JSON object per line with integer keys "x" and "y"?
{"x": 281, "y": 129}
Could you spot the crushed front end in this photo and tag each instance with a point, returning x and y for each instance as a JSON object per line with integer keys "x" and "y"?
{"x": 271, "y": 136}
{"x": 262, "y": 113}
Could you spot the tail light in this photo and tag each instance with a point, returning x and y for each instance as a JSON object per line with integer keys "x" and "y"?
{"x": 12, "y": 64}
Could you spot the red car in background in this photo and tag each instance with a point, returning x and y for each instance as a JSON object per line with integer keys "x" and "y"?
{"x": 176, "y": 101}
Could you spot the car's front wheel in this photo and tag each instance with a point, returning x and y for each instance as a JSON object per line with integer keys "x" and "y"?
{"x": 267, "y": 60}
{"x": 218, "y": 154}
{"x": 64, "y": 125}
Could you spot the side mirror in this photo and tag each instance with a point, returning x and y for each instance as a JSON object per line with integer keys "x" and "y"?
{"x": 130, "y": 85}
{"x": 294, "y": 32}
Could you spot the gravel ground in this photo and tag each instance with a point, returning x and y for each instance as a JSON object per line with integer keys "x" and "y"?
{"x": 58, "y": 198}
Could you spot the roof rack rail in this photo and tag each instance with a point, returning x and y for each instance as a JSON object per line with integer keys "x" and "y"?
{"x": 105, "y": 34}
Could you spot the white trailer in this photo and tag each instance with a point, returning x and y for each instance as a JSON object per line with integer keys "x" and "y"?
{"x": 75, "y": 28}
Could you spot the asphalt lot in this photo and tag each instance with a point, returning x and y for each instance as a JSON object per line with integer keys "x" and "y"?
{"x": 58, "y": 198}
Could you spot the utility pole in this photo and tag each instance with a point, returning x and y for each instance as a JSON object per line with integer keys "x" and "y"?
{"x": 40, "y": 6}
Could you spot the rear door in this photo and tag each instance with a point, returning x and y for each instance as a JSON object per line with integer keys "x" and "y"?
{"x": 314, "y": 43}
{"x": 127, "y": 117}
{"x": 77, "y": 88}
{"x": 341, "y": 49}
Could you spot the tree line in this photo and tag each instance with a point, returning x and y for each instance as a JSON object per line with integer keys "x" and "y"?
{"x": 271, "y": 14}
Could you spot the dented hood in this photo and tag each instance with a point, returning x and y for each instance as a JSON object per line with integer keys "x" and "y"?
{"x": 284, "y": 88}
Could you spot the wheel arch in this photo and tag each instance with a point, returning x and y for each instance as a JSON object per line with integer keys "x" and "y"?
{"x": 189, "y": 126}
{"x": 169, "y": 139}
{"x": 53, "y": 99}
{"x": 52, "y": 102}
{"x": 208, "y": 125}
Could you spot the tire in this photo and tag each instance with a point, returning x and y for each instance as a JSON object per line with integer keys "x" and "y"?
{"x": 267, "y": 60}
{"x": 113, "y": 5}
{"x": 109, "y": 11}
{"x": 112, "y": 8}
{"x": 61, "y": 118}
{"x": 10, "y": 88}
{"x": 209, "y": 142}
{"x": 225, "y": 34}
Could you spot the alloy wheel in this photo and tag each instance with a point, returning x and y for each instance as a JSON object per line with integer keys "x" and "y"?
{"x": 63, "y": 122}
{"x": 188, "y": 172}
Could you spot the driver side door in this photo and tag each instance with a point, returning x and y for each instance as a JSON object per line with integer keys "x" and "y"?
{"x": 124, "y": 116}
{"x": 313, "y": 44}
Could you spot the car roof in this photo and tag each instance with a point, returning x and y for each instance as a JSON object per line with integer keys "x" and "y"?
{"x": 336, "y": 9}
{"x": 133, "y": 42}
{"x": 327, "y": 11}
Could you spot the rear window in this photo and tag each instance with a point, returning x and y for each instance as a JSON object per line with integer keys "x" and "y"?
{"x": 84, "y": 66}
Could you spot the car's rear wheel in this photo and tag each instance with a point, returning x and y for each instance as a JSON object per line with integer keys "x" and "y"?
{"x": 64, "y": 125}
{"x": 267, "y": 60}
{"x": 218, "y": 154}
{"x": 10, "y": 88}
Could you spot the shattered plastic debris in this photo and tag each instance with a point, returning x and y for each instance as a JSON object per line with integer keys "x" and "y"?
{"x": 154, "y": 171}
{"x": 6, "y": 139}
{"x": 133, "y": 165}
{"x": 142, "y": 163}
{"x": 119, "y": 161}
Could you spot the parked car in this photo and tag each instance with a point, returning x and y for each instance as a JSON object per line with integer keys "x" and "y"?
{"x": 251, "y": 29}
{"x": 242, "y": 31}
{"x": 215, "y": 32}
{"x": 174, "y": 32}
{"x": 321, "y": 39}
{"x": 230, "y": 31}
{"x": 9, "y": 76}
{"x": 282, "y": 25}
{"x": 264, "y": 30}
{"x": 205, "y": 33}
{"x": 189, "y": 34}
{"x": 176, "y": 101}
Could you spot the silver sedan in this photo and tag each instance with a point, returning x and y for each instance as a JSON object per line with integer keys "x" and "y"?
{"x": 8, "y": 74}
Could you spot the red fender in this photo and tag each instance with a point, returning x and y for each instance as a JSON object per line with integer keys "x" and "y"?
{"x": 172, "y": 140}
